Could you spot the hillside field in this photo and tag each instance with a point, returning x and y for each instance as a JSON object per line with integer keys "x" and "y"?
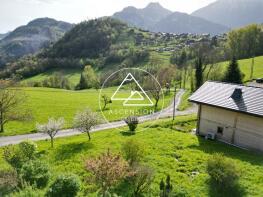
{"x": 182, "y": 155}
{"x": 48, "y": 102}
{"x": 245, "y": 64}
{"x": 73, "y": 75}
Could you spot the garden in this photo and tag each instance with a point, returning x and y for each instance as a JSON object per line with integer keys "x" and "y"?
{"x": 166, "y": 159}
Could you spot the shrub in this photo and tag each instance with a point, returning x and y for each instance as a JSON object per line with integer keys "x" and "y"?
{"x": 166, "y": 188}
{"x": 133, "y": 151}
{"x": 17, "y": 156}
{"x": 141, "y": 180}
{"x": 132, "y": 122}
{"x": 13, "y": 157}
{"x": 65, "y": 185}
{"x": 108, "y": 169}
{"x": 28, "y": 192}
{"x": 28, "y": 149}
{"x": 222, "y": 171}
{"x": 8, "y": 181}
{"x": 35, "y": 172}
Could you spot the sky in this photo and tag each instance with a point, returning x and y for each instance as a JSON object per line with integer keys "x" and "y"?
{"x": 14, "y": 13}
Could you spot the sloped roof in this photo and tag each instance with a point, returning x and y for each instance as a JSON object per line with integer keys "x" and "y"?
{"x": 219, "y": 94}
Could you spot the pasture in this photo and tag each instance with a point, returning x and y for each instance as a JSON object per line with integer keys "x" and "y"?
{"x": 48, "y": 102}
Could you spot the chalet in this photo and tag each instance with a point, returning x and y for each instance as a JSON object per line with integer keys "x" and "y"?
{"x": 230, "y": 113}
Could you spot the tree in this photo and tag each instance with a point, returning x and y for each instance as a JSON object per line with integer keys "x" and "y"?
{"x": 246, "y": 42}
{"x": 154, "y": 89}
{"x": 51, "y": 128}
{"x": 12, "y": 106}
{"x": 85, "y": 120}
{"x": 88, "y": 79}
{"x": 108, "y": 169}
{"x": 106, "y": 101}
{"x": 233, "y": 73}
{"x": 252, "y": 40}
{"x": 198, "y": 73}
{"x": 165, "y": 76}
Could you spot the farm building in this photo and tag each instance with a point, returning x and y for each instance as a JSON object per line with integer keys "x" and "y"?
{"x": 230, "y": 113}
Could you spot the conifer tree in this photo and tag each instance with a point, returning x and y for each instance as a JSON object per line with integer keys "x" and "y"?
{"x": 198, "y": 73}
{"x": 233, "y": 73}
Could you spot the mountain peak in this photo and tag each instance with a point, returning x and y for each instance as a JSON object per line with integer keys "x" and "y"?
{"x": 154, "y": 5}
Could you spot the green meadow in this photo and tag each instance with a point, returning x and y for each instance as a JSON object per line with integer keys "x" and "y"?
{"x": 47, "y": 102}
{"x": 170, "y": 148}
{"x": 73, "y": 75}
{"x": 245, "y": 66}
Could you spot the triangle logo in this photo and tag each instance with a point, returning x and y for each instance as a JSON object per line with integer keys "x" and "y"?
{"x": 140, "y": 96}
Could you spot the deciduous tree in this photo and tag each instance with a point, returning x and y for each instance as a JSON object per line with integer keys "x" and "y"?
{"x": 12, "y": 106}
{"x": 85, "y": 120}
{"x": 51, "y": 128}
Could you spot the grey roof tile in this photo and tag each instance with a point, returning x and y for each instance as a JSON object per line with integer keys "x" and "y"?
{"x": 219, "y": 94}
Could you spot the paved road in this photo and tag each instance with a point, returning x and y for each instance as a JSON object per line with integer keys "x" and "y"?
{"x": 167, "y": 112}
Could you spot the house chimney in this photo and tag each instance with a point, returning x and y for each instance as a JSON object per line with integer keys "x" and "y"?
{"x": 237, "y": 94}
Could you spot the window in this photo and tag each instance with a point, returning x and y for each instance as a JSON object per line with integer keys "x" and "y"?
{"x": 220, "y": 130}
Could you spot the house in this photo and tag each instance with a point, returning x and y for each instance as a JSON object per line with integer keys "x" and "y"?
{"x": 230, "y": 112}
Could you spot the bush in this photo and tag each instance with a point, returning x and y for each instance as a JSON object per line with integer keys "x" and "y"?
{"x": 222, "y": 171}
{"x": 28, "y": 192}
{"x": 133, "y": 151}
{"x": 35, "y": 172}
{"x": 8, "y": 181}
{"x": 108, "y": 170}
{"x": 141, "y": 180}
{"x": 17, "y": 156}
{"x": 28, "y": 149}
{"x": 65, "y": 186}
{"x": 166, "y": 188}
{"x": 132, "y": 122}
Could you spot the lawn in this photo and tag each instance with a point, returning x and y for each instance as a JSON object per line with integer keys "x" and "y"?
{"x": 73, "y": 75}
{"x": 182, "y": 155}
{"x": 48, "y": 102}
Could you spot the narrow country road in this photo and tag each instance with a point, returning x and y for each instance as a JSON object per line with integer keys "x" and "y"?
{"x": 167, "y": 112}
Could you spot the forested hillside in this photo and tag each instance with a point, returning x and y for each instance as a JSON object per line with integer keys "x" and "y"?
{"x": 30, "y": 38}
{"x": 104, "y": 45}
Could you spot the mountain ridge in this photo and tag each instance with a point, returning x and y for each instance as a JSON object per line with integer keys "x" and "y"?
{"x": 156, "y": 18}
{"x": 30, "y": 38}
{"x": 232, "y": 13}
{"x": 144, "y": 17}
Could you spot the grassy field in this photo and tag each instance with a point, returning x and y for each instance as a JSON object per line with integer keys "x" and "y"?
{"x": 72, "y": 74}
{"x": 48, "y": 102}
{"x": 245, "y": 67}
{"x": 180, "y": 154}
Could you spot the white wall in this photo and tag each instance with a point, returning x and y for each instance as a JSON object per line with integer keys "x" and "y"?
{"x": 248, "y": 132}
